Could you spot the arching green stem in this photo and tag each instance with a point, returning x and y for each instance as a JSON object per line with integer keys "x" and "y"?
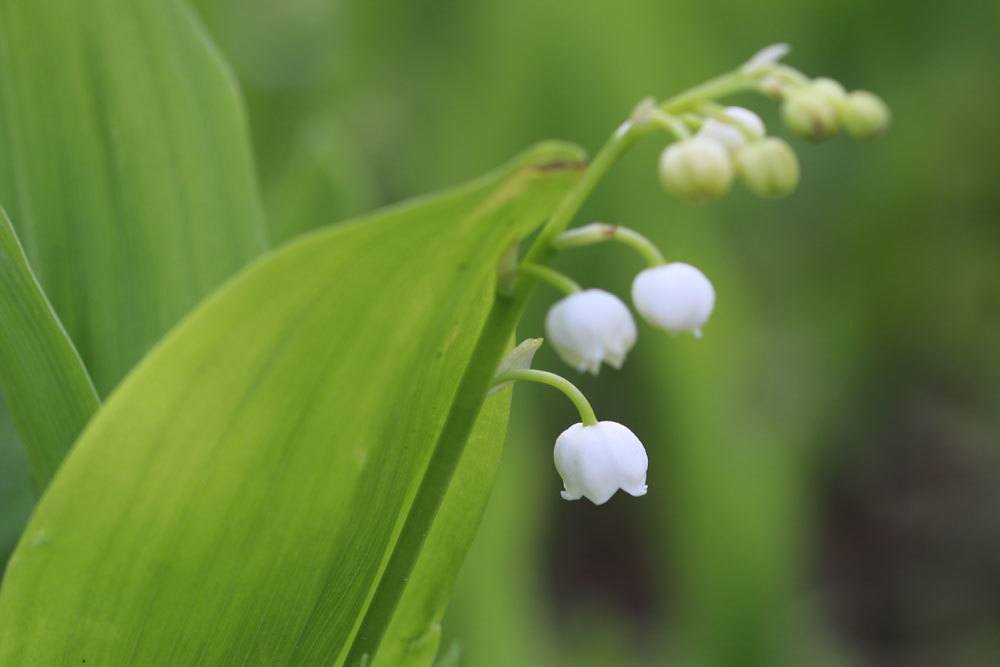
{"x": 560, "y": 281}
{"x": 541, "y": 250}
{"x": 737, "y": 81}
{"x": 600, "y": 232}
{"x": 720, "y": 86}
{"x": 789, "y": 75}
{"x": 670, "y": 122}
{"x": 580, "y": 401}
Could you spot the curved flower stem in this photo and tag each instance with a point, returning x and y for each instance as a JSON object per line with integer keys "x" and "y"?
{"x": 560, "y": 281}
{"x": 541, "y": 250}
{"x": 720, "y": 86}
{"x": 728, "y": 84}
{"x": 580, "y": 401}
{"x": 640, "y": 244}
{"x": 789, "y": 75}
{"x": 670, "y": 123}
{"x": 599, "y": 232}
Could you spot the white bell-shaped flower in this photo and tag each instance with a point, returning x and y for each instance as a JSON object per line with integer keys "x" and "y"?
{"x": 733, "y": 136}
{"x": 589, "y": 328}
{"x": 595, "y": 461}
{"x": 676, "y": 297}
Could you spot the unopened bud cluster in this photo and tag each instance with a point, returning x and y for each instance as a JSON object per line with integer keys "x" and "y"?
{"x": 820, "y": 108}
{"x": 730, "y": 144}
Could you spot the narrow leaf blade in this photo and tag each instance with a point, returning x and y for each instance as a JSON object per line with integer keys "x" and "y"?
{"x": 126, "y": 167}
{"x": 45, "y": 385}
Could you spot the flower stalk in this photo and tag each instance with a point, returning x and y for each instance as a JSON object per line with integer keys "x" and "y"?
{"x": 558, "y": 280}
{"x": 600, "y": 232}
{"x": 569, "y": 389}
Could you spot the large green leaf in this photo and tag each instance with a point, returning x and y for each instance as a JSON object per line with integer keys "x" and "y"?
{"x": 125, "y": 167}
{"x": 260, "y": 489}
{"x": 45, "y": 385}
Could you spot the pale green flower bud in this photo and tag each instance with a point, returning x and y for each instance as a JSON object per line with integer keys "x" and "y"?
{"x": 769, "y": 168}
{"x": 864, "y": 114}
{"x": 809, "y": 114}
{"x": 696, "y": 169}
{"x": 829, "y": 89}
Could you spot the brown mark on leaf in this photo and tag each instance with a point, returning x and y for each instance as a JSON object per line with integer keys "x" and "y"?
{"x": 561, "y": 165}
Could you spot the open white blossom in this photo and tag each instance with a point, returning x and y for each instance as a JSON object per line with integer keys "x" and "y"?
{"x": 589, "y": 328}
{"x": 733, "y": 136}
{"x": 676, "y": 297}
{"x": 595, "y": 461}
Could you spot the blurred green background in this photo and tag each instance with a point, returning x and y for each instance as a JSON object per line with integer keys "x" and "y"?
{"x": 825, "y": 464}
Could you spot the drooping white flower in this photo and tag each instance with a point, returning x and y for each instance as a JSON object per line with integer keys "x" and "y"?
{"x": 733, "y": 136}
{"x": 589, "y": 328}
{"x": 830, "y": 89}
{"x": 676, "y": 297}
{"x": 595, "y": 461}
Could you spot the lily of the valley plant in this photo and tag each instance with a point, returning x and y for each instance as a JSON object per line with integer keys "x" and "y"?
{"x": 247, "y": 455}
{"x": 711, "y": 146}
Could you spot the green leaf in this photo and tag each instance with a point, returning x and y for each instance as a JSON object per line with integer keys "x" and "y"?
{"x": 17, "y": 494}
{"x": 414, "y": 626}
{"x": 259, "y": 488}
{"x": 45, "y": 384}
{"x": 452, "y": 657}
{"x": 126, "y": 167}
{"x": 324, "y": 174}
{"x": 519, "y": 358}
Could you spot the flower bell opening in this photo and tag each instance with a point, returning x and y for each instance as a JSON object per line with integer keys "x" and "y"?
{"x": 596, "y": 461}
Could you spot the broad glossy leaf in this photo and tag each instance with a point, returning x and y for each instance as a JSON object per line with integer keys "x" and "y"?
{"x": 44, "y": 382}
{"x": 241, "y": 496}
{"x": 125, "y": 167}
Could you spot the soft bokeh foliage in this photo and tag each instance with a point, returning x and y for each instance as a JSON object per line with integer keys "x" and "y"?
{"x": 824, "y": 463}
